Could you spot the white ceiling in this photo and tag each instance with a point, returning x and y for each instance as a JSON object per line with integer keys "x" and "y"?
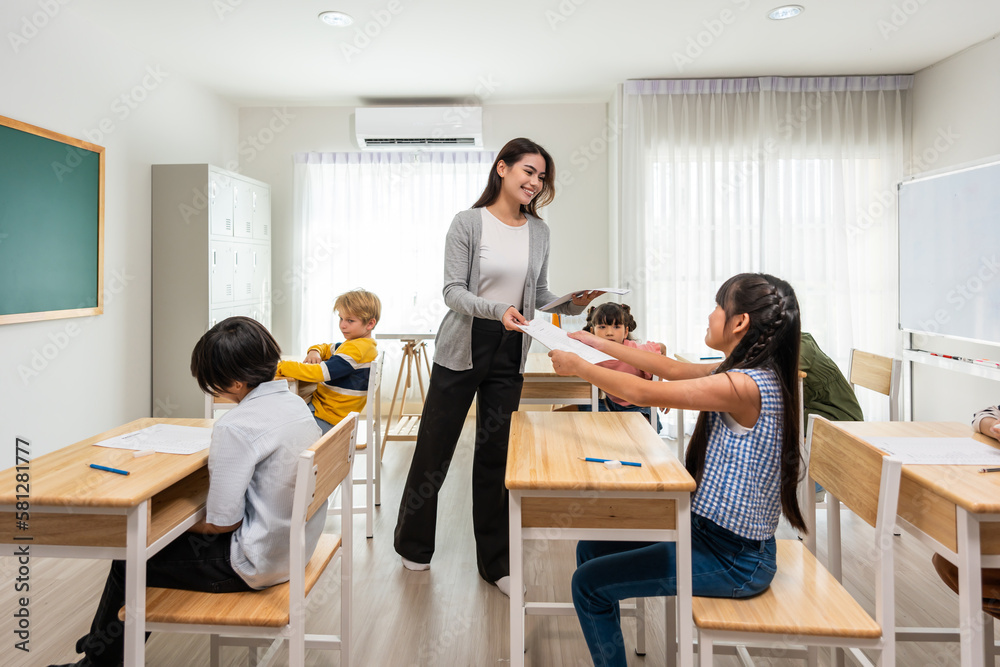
{"x": 264, "y": 52}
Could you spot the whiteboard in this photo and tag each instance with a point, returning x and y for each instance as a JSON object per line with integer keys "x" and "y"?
{"x": 949, "y": 254}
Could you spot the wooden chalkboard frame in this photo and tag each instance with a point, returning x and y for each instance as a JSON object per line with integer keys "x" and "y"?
{"x": 13, "y": 318}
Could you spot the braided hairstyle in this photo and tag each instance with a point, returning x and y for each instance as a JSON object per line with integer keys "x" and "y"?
{"x": 611, "y": 314}
{"x": 771, "y": 342}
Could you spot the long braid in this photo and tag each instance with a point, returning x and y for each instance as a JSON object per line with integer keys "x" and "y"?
{"x": 771, "y": 342}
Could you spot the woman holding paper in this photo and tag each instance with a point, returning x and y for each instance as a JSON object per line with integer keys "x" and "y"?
{"x": 495, "y": 271}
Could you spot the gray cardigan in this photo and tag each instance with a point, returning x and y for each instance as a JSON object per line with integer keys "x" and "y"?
{"x": 453, "y": 345}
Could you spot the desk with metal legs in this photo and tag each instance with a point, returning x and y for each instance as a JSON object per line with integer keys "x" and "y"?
{"x": 553, "y": 495}
{"x": 78, "y": 512}
{"x": 955, "y": 510}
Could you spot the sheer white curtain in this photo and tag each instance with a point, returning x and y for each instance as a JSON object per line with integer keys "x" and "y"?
{"x": 378, "y": 221}
{"x": 790, "y": 176}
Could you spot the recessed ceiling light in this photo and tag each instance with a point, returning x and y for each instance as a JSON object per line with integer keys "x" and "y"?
{"x": 785, "y": 12}
{"x": 336, "y": 19}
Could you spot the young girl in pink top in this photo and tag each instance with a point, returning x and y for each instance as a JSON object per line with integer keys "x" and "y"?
{"x": 614, "y": 322}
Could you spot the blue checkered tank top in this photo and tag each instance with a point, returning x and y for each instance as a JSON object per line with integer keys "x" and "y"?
{"x": 741, "y": 484}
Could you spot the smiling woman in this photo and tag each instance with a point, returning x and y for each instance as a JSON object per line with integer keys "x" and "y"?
{"x": 496, "y": 263}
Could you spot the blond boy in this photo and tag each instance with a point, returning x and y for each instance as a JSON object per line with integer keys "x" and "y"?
{"x": 341, "y": 370}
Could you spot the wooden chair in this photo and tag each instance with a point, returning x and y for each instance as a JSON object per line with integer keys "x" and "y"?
{"x": 877, "y": 373}
{"x": 806, "y": 604}
{"x": 279, "y": 612}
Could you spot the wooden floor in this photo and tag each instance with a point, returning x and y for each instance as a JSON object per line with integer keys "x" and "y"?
{"x": 447, "y": 615}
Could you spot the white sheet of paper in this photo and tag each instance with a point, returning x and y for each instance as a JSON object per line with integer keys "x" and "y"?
{"x": 163, "y": 438}
{"x": 569, "y": 297}
{"x": 555, "y": 338}
{"x": 939, "y": 451}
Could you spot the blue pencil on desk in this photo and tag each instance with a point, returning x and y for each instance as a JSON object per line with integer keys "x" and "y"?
{"x": 624, "y": 463}
{"x": 106, "y": 468}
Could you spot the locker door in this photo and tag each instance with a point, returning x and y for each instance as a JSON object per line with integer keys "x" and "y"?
{"x": 243, "y": 261}
{"x": 221, "y": 269}
{"x": 243, "y": 207}
{"x": 220, "y": 204}
{"x": 263, "y": 280}
{"x": 261, "y": 202}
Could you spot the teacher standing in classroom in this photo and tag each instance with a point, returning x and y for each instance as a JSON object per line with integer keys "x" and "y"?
{"x": 495, "y": 271}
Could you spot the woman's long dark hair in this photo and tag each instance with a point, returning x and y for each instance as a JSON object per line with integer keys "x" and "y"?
{"x": 772, "y": 342}
{"x": 511, "y": 153}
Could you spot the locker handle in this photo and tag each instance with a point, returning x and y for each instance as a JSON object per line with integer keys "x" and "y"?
{"x": 236, "y": 257}
{"x": 255, "y": 201}
{"x": 255, "y": 259}
{"x": 215, "y": 259}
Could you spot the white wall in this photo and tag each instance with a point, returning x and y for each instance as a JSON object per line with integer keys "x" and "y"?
{"x": 956, "y": 104}
{"x": 574, "y": 134}
{"x": 64, "y": 380}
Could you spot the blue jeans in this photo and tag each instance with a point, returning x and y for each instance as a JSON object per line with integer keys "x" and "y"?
{"x": 324, "y": 425}
{"x": 607, "y": 405}
{"x": 723, "y": 565}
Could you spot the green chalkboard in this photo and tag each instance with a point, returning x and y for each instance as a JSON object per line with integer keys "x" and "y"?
{"x": 51, "y": 224}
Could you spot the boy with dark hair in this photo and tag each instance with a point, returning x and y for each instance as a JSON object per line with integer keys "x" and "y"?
{"x": 340, "y": 371}
{"x": 242, "y": 544}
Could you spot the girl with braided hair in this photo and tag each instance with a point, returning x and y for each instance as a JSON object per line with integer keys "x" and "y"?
{"x": 744, "y": 456}
{"x": 614, "y": 322}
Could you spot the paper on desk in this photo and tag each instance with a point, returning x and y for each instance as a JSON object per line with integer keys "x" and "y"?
{"x": 938, "y": 451}
{"x": 569, "y": 297}
{"x": 555, "y": 338}
{"x": 163, "y": 438}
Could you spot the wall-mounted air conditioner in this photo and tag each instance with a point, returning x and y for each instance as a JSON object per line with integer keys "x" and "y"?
{"x": 419, "y": 128}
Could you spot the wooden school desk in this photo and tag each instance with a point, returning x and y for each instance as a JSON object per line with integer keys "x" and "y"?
{"x": 555, "y": 496}
{"x": 955, "y": 510}
{"x": 78, "y": 512}
{"x": 543, "y": 386}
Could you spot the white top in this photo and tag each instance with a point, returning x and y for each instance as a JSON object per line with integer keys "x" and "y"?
{"x": 503, "y": 261}
{"x": 251, "y": 465}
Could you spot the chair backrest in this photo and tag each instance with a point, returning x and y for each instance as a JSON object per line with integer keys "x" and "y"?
{"x": 324, "y": 466}
{"x": 867, "y": 482}
{"x": 848, "y": 467}
{"x": 879, "y": 374}
{"x": 375, "y": 385}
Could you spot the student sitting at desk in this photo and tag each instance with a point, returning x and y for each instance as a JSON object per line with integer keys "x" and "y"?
{"x": 242, "y": 544}
{"x": 614, "y": 322}
{"x": 341, "y": 370}
{"x": 744, "y": 455}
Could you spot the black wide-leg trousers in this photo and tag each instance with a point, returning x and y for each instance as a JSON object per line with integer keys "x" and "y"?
{"x": 495, "y": 379}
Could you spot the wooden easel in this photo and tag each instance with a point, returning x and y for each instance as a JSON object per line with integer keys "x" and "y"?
{"x": 414, "y": 355}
